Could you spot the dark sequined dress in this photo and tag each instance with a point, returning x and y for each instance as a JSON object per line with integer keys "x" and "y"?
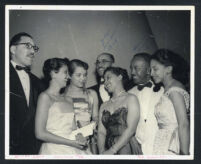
{"x": 115, "y": 124}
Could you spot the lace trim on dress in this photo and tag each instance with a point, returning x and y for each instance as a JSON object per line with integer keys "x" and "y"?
{"x": 183, "y": 92}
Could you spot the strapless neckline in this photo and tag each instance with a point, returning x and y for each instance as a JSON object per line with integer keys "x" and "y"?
{"x": 54, "y": 106}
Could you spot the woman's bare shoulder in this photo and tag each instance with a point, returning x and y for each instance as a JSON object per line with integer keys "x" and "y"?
{"x": 69, "y": 99}
{"x": 44, "y": 100}
{"x": 44, "y": 96}
{"x": 104, "y": 105}
{"x": 92, "y": 92}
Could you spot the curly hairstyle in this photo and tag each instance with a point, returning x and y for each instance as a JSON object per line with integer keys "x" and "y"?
{"x": 53, "y": 64}
{"x": 180, "y": 67}
{"x": 119, "y": 71}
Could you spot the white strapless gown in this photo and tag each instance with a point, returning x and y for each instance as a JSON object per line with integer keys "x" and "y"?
{"x": 61, "y": 124}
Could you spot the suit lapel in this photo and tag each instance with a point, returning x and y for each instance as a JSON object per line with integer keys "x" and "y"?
{"x": 31, "y": 108}
{"x": 16, "y": 87}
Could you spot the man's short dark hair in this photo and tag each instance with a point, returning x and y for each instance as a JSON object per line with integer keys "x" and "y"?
{"x": 143, "y": 55}
{"x": 110, "y": 55}
{"x": 16, "y": 38}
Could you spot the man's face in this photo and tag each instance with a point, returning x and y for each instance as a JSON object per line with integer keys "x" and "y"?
{"x": 103, "y": 61}
{"x": 139, "y": 70}
{"x": 21, "y": 54}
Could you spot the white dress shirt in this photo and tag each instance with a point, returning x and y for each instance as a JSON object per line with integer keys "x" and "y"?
{"x": 147, "y": 125}
{"x": 25, "y": 81}
{"x": 103, "y": 93}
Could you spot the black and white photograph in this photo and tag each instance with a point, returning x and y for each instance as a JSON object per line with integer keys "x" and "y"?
{"x": 99, "y": 82}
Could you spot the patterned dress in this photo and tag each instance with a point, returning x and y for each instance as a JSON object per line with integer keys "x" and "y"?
{"x": 83, "y": 111}
{"x": 167, "y": 137}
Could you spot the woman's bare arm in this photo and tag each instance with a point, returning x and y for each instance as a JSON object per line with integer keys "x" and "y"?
{"x": 43, "y": 106}
{"x": 182, "y": 119}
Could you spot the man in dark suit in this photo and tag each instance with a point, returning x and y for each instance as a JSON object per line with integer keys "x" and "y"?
{"x": 24, "y": 90}
{"x": 103, "y": 61}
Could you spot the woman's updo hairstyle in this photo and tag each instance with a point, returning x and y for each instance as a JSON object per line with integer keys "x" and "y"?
{"x": 119, "y": 71}
{"x": 73, "y": 64}
{"x": 53, "y": 64}
{"x": 180, "y": 68}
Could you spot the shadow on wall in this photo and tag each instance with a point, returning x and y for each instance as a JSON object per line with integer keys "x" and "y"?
{"x": 85, "y": 34}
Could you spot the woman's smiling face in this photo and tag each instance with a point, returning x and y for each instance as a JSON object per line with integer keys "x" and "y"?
{"x": 79, "y": 77}
{"x": 111, "y": 81}
{"x": 158, "y": 71}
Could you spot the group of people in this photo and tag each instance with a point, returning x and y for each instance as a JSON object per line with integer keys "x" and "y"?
{"x": 149, "y": 117}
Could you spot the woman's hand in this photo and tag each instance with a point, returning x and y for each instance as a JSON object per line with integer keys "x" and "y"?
{"x": 81, "y": 141}
{"x": 78, "y": 145}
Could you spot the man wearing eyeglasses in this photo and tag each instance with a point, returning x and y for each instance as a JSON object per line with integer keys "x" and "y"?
{"x": 24, "y": 90}
{"x": 103, "y": 61}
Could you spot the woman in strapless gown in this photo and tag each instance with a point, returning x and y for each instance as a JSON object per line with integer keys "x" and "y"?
{"x": 55, "y": 115}
{"x": 60, "y": 123}
{"x": 85, "y": 101}
{"x": 116, "y": 123}
{"x": 173, "y": 136}
{"x": 118, "y": 117}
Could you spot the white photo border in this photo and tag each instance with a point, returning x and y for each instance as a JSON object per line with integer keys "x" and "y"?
{"x": 190, "y": 8}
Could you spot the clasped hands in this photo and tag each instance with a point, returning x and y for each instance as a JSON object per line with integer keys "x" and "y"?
{"x": 82, "y": 141}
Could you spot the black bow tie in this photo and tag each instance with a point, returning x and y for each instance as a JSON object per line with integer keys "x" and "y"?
{"x": 140, "y": 87}
{"x": 26, "y": 69}
{"x": 157, "y": 87}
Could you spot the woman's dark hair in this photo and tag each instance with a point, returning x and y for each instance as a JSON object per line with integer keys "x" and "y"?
{"x": 76, "y": 63}
{"x": 53, "y": 64}
{"x": 180, "y": 67}
{"x": 119, "y": 71}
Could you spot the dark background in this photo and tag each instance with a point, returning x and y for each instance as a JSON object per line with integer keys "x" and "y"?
{"x": 197, "y": 144}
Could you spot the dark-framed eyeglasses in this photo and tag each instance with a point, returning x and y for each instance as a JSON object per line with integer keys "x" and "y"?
{"x": 102, "y": 61}
{"x": 29, "y": 46}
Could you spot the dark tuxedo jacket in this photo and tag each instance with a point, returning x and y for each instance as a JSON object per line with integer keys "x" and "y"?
{"x": 22, "y": 116}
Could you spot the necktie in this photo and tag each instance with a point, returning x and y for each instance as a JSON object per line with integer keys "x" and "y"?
{"x": 140, "y": 87}
{"x": 26, "y": 69}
